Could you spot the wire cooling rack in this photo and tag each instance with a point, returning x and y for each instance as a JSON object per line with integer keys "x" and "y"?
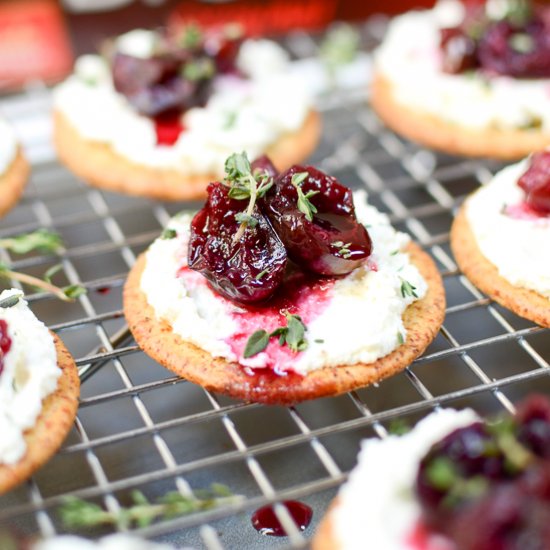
{"x": 140, "y": 427}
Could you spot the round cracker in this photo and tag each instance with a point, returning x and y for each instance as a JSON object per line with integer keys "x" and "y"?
{"x": 422, "y": 320}
{"x": 484, "y": 275}
{"x": 325, "y": 538}
{"x": 13, "y": 181}
{"x": 437, "y": 133}
{"x": 52, "y": 426}
{"x": 98, "y": 164}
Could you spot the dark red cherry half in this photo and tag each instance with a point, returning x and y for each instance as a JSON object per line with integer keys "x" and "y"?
{"x": 246, "y": 271}
{"x": 333, "y": 242}
{"x": 517, "y": 51}
{"x": 154, "y": 86}
{"x": 536, "y": 182}
{"x": 458, "y": 50}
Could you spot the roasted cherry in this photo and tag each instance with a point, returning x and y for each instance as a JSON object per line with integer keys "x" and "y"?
{"x": 263, "y": 165}
{"x": 512, "y": 516}
{"x": 248, "y": 270}
{"x": 536, "y": 182}
{"x": 520, "y": 51}
{"x": 5, "y": 342}
{"x": 458, "y": 50}
{"x": 329, "y": 240}
{"x": 533, "y": 419}
{"x": 467, "y": 452}
{"x": 154, "y": 86}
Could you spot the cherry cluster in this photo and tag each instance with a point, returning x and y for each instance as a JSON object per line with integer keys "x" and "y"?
{"x": 517, "y": 45}
{"x": 300, "y": 216}
{"x": 180, "y": 73}
{"x": 487, "y": 485}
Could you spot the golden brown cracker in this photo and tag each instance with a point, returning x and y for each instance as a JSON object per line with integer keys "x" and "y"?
{"x": 422, "y": 320}
{"x": 325, "y": 538}
{"x": 437, "y": 133}
{"x": 13, "y": 181}
{"x": 484, "y": 275}
{"x": 98, "y": 164}
{"x": 52, "y": 426}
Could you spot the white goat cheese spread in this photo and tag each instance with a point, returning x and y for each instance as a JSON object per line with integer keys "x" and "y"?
{"x": 361, "y": 321}
{"x": 518, "y": 247}
{"x": 111, "y": 542}
{"x": 28, "y": 376}
{"x": 248, "y": 114}
{"x": 8, "y": 146}
{"x": 409, "y": 57}
{"x": 377, "y": 507}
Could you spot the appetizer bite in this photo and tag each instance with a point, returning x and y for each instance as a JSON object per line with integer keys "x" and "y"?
{"x": 501, "y": 238}
{"x": 283, "y": 288}
{"x": 14, "y": 169}
{"x": 470, "y": 79}
{"x": 160, "y": 112}
{"x": 455, "y": 482}
{"x": 39, "y": 389}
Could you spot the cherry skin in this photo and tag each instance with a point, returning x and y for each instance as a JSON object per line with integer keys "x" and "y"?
{"x": 246, "y": 271}
{"x": 333, "y": 242}
{"x": 536, "y": 182}
{"x": 5, "y": 342}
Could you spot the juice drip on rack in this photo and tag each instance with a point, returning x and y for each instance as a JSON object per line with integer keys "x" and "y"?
{"x": 265, "y": 521}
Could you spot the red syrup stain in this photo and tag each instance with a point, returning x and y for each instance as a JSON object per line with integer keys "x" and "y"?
{"x": 168, "y": 128}
{"x": 300, "y": 294}
{"x": 5, "y": 342}
{"x": 265, "y": 521}
{"x": 421, "y": 538}
{"x": 523, "y": 211}
{"x": 103, "y": 289}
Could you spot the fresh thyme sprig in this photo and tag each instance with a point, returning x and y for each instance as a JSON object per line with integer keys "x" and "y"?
{"x": 293, "y": 335}
{"x": 340, "y": 47}
{"x": 77, "y": 514}
{"x": 304, "y": 204}
{"x": 44, "y": 241}
{"x": 245, "y": 185}
{"x": 41, "y": 240}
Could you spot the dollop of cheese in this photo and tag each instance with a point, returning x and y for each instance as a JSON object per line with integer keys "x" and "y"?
{"x": 518, "y": 247}
{"x": 111, "y": 542}
{"x": 377, "y": 507}
{"x": 8, "y": 146}
{"x": 361, "y": 323}
{"x": 242, "y": 114}
{"x": 29, "y": 375}
{"x": 410, "y": 58}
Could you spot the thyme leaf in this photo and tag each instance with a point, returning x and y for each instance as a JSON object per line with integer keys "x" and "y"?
{"x": 256, "y": 343}
{"x": 10, "y": 301}
{"x": 407, "y": 289}
{"x": 169, "y": 233}
{"x": 304, "y": 204}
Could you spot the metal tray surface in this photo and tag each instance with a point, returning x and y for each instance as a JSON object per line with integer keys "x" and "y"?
{"x": 140, "y": 427}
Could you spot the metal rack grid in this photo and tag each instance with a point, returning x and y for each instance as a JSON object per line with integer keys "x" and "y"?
{"x": 141, "y": 427}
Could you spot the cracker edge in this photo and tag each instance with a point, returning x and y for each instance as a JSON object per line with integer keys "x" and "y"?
{"x": 484, "y": 275}
{"x": 325, "y": 537}
{"x": 98, "y": 164}
{"x": 52, "y": 426}
{"x": 435, "y": 132}
{"x": 422, "y": 319}
{"x": 13, "y": 181}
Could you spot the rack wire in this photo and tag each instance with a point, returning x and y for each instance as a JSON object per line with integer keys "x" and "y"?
{"x": 140, "y": 427}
